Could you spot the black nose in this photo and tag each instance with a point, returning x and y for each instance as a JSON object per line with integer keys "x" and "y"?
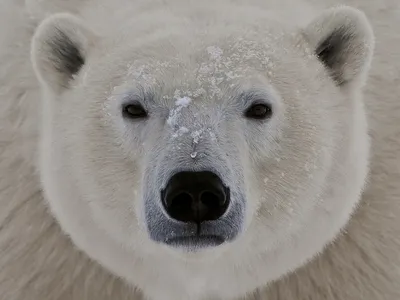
{"x": 195, "y": 197}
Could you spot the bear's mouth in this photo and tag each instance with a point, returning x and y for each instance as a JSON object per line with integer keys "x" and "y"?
{"x": 195, "y": 241}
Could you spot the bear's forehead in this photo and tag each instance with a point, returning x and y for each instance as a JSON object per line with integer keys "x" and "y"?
{"x": 210, "y": 69}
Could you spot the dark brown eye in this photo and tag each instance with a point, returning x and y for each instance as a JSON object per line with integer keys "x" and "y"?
{"x": 259, "y": 111}
{"x": 134, "y": 111}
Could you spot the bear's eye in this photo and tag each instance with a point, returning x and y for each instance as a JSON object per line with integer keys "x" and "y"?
{"x": 134, "y": 111}
{"x": 259, "y": 111}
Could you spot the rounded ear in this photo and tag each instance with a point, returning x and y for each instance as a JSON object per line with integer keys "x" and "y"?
{"x": 343, "y": 40}
{"x": 59, "y": 49}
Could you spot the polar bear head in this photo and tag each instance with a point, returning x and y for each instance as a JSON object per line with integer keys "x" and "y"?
{"x": 226, "y": 146}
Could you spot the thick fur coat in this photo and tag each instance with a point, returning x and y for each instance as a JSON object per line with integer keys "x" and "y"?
{"x": 54, "y": 246}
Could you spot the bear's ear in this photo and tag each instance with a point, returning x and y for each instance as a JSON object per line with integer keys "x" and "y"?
{"x": 343, "y": 40}
{"x": 59, "y": 49}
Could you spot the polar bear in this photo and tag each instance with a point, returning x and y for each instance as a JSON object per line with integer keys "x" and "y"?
{"x": 199, "y": 150}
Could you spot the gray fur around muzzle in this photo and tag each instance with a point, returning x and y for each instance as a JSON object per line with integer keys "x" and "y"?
{"x": 190, "y": 200}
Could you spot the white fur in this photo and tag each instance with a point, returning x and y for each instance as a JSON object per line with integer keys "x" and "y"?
{"x": 71, "y": 221}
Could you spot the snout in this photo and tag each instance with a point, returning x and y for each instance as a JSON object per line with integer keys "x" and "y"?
{"x": 195, "y": 197}
{"x": 194, "y": 210}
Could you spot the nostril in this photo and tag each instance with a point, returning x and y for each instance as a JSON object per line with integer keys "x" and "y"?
{"x": 213, "y": 203}
{"x": 180, "y": 206}
{"x": 178, "y": 200}
{"x": 211, "y": 199}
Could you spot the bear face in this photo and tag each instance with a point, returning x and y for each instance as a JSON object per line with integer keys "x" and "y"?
{"x": 269, "y": 123}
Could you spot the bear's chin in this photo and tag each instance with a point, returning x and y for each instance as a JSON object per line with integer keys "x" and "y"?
{"x": 195, "y": 243}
